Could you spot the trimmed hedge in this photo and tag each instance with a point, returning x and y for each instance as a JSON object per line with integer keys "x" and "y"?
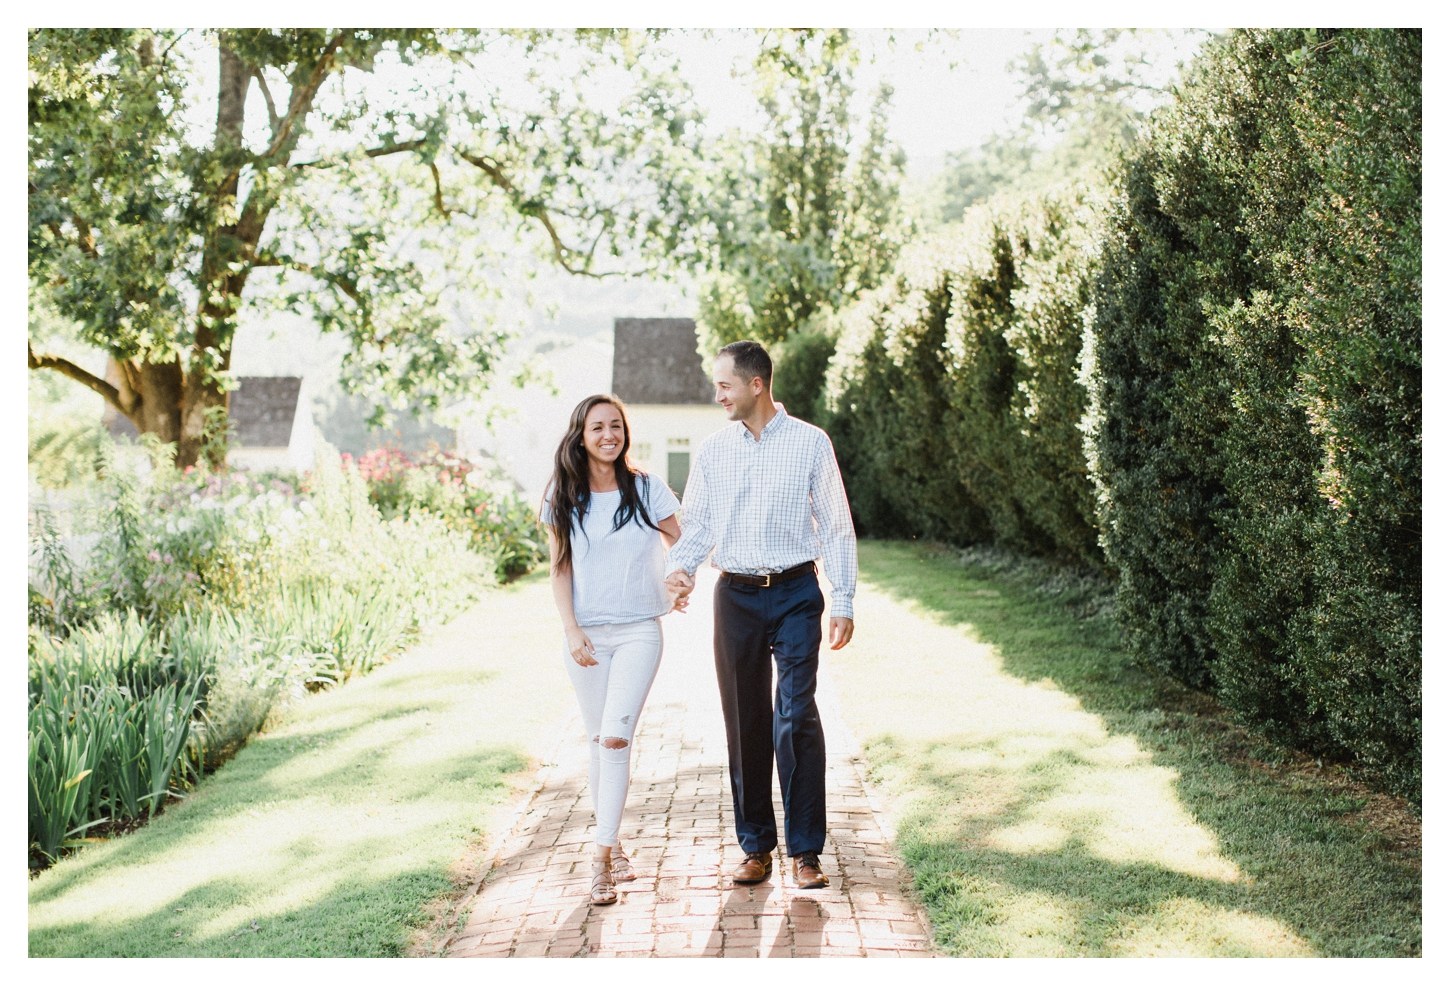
{"x": 1209, "y": 383}
{"x": 954, "y": 399}
{"x": 1257, "y": 389}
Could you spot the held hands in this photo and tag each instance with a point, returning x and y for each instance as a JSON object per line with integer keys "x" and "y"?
{"x": 581, "y": 647}
{"x": 841, "y": 629}
{"x": 679, "y": 586}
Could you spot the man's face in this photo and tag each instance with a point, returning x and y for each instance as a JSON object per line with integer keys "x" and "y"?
{"x": 738, "y": 397}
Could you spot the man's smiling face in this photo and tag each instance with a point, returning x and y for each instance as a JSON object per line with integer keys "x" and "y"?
{"x": 738, "y": 397}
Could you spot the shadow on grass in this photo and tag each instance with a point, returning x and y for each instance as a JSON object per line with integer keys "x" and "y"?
{"x": 338, "y": 862}
{"x": 332, "y": 833}
{"x": 1104, "y": 813}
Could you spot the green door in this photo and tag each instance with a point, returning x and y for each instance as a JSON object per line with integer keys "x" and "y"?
{"x": 677, "y": 471}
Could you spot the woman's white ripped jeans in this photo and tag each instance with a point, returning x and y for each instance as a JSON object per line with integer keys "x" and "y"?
{"x": 611, "y": 695}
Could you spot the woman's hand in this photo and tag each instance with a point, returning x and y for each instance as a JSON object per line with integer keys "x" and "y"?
{"x": 679, "y": 586}
{"x": 581, "y": 647}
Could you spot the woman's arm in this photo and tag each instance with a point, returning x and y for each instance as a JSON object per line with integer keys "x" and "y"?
{"x": 670, "y": 529}
{"x": 580, "y": 646}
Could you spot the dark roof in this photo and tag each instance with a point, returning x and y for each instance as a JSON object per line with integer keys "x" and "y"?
{"x": 656, "y": 362}
{"x": 262, "y": 410}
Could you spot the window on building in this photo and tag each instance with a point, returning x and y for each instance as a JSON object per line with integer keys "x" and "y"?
{"x": 677, "y": 461}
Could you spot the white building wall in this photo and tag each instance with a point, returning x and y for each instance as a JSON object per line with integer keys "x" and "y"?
{"x": 525, "y": 436}
{"x": 302, "y": 443}
{"x": 658, "y": 429}
{"x": 532, "y": 420}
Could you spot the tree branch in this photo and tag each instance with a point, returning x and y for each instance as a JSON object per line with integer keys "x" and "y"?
{"x": 561, "y": 252}
{"x": 273, "y": 119}
{"x": 384, "y": 151}
{"x": 302, "y": 96}
{"x": 268, "y": 260}
{"x": 438, "y": 191}
{"x": 82, "y": 376}
{"x": 85, "y": 236}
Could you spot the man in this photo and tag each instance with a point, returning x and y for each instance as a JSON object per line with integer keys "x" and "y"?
{"x": 766, "y": 495}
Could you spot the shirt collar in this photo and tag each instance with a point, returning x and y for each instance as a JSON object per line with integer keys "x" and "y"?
{"x": 770, "y": 426}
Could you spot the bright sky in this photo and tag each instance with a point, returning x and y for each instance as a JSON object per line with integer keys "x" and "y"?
{"x": 936, "y": 108}
{"x": 951, "y": 91}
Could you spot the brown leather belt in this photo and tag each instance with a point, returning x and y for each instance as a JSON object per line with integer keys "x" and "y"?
{"x": 772, "y": 578}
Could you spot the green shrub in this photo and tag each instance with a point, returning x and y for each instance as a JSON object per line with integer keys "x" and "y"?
{"x": 206, "y": 600}
{"x": 1209, "y": 382}
{"x": 496, "y": 519}
{"x": 801, "y": 362}
{"x": 68, "y": 453}
{"x": 955, "y": 396}
{"x": 1256, "y": 389}
{"x": 887, "y": 405}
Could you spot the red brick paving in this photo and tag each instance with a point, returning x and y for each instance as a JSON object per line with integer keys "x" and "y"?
{"x": 679, "y": 833}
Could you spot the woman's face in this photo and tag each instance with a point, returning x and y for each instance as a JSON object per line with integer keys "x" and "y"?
{"x": 604, "y": 433}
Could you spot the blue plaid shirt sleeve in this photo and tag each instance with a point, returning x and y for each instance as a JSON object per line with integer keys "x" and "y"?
{"x": 697, "y": 533}
{"x": 834, "y": 529}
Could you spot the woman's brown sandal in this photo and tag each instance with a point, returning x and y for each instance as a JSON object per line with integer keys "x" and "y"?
{"x": 620, "y": 867}
{"x": 601, "y": 883}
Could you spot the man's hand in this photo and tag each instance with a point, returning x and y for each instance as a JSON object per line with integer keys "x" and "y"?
{"x": 679, "y": 586}
{"x": 841, "y": 629}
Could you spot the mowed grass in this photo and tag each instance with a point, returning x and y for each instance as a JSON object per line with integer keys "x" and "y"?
{"x": 1051, "y": 799}
{"x": 331, "y": 834}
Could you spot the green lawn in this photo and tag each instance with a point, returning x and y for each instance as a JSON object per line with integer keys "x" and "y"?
{"x": 1051, "y": 799}
{"x": 333, "y": 833}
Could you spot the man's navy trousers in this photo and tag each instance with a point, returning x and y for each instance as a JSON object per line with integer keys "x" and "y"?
{"x": 752, "y": 624}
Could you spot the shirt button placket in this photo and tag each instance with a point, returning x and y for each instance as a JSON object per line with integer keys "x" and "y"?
{"x": 760, "y": 550}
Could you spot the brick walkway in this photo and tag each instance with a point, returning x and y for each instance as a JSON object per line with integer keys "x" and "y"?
{"x": 679, "y": 833}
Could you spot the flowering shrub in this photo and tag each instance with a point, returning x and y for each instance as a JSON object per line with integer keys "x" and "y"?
{"x": 202, "y": 600}
{"x": 497, "y": 521}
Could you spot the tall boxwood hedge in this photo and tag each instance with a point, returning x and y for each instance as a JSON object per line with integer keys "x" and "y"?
{"x": 1210, "y": 382}
{"x": 1256, "y": 388}
{"x": 954, "y": 394}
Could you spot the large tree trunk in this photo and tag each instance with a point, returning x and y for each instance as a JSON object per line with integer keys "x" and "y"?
{"x": 153, "y": 391}
{"x": 221, "y": 286}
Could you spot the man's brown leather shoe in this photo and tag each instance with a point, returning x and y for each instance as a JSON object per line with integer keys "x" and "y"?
{"x": 806, "y": 868}
{"x": 755, "y": 868}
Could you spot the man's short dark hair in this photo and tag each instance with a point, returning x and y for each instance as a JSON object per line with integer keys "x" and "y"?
{"x": 750, "y": 359}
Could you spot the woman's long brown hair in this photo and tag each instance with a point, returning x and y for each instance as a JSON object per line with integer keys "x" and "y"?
{"x": 568, "y": 496}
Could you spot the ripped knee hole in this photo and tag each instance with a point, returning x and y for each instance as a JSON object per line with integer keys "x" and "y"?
{"x": 614, "y": 743}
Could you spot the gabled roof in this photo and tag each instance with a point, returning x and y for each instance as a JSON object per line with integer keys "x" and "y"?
{"x": 262, "y": 411}
{"x": 656, "y": 362}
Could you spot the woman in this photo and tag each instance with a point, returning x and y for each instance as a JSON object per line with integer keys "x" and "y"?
{"x": 606, "y": 519}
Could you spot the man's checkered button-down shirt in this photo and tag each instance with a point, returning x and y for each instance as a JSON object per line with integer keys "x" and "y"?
{"x": 769, "y": 505}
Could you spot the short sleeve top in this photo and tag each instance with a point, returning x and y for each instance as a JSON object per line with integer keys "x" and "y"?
{"x": 619, "y": 575}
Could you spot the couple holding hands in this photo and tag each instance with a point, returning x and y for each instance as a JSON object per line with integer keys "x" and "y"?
{"x": 766, "y": 495}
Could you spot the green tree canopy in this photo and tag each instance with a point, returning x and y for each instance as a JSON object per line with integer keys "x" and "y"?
{"x": 802, "y": 220}
{"x": 1085, "y": 90}
{"x": 376, "y": 198}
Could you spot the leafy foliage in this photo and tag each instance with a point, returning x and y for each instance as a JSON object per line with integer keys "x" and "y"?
{"x": 1210, "y": 382}
{"x": 955, "y": 397}
{"x": 377, "y": 209}
{"x": 491, "y": 513}
{"x": 1087, "y": 92}
{"x": 802, "y": 222}
{"x": 205, "y": 600}
{"x": 1258, "y": 317}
